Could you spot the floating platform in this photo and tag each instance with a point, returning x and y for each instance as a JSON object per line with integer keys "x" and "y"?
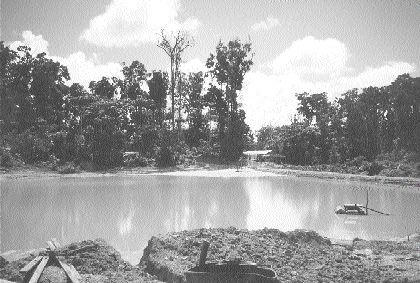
{"x": 351, "y": 209}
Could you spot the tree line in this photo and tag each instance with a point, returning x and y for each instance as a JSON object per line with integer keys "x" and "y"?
{"x": 43, "y": 118}
{"x": 365, "y": 124}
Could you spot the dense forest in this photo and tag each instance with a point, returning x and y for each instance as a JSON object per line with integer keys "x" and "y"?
{"x": 371, "y": 130}
{"x": 159, "y": 118}
{"x": 164, "y": 119}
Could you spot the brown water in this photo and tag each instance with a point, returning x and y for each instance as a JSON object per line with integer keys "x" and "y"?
{"x": 127, "y": 211}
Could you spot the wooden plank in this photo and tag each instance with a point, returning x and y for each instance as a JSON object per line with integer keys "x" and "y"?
{"x": 56, "y": 243}
{"x": 75, "y": 273}
{"x": 51, "y": 245}
{"x": 31, "y": 265}
{"x": 71, "y": 272}
{"x": 38, "y": 270}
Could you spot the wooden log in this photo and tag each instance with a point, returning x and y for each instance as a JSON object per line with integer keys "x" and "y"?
{"x": 51, "y": 245}
{"x": 75, "y": 273}
{"x": 377, "y": 211}
{"x": 56, "y": 243}
{"x": 39, "y": 269}
{"x": 31, "y": 265}
{"x": 5, "y": 281}
{"x": 71, "y": 272}
{"x": 367, "y": 201}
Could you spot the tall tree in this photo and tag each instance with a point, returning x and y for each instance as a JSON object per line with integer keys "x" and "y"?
{"x": 228, "y": 67}
{"x": 7, "y": 103}
{"x": 405, "y": 97}
{"x": 174, "y": 45}
{"x": 158, "y": 86}
{"x": 48, "y": 89}
{"x": 105, "y": 88}
{"x": 195, "y": 107}
{"x": 134, "y": 78}
{"x": 16, "y": 98}
{"x": 317, "y": 105}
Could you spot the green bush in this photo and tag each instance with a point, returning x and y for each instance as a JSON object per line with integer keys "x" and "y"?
{"x": 374, "y": 168}
{"x": 135, "y": 160}
{"x": 68, "y": 168}
{"x": 5, "y": 158}
{"x": 357, "y": 161}
{"x": 32, "y": 147}
{"x": 392, "y": 172}
{"x": 165, "y": 157}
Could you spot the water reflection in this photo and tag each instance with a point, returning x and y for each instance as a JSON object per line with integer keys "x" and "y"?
{"x": 290, "y": 203}
{"x": 272, "y": 207}
{"x": 127, "y": 211}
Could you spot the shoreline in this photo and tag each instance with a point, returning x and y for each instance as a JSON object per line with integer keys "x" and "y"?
{"x": 326, "y": 175}
{"x": 212, "y": 170}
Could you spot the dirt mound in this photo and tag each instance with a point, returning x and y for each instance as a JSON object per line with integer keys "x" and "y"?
{"x": 298, "y": 256}
{"x": 301, "y": 256}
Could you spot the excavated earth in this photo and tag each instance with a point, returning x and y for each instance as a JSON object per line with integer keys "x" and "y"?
{"x": 298, "y": 256}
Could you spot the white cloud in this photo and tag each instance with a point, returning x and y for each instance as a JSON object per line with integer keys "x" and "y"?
{"x": 378, "y": 76}
{"x": 134, "y": 22}
{"x": 312, "y": 59}
{"x": 193, "y": 66}
{"x": 266, "y": 24}
{"x": 36, "y": 42}
{"x": 310, "y": 65}
{"x": 82, "y": 69}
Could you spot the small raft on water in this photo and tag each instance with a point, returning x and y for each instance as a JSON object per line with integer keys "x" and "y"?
{"x": 352, "y": 209}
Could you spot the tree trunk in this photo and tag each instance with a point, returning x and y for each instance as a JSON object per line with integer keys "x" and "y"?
{"x": 173, "y": 92}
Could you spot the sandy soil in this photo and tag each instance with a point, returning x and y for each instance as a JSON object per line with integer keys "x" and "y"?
{"x": 298, "y": 256}
{"x": 210, "y": 170}
{"x": 401, "y": 181}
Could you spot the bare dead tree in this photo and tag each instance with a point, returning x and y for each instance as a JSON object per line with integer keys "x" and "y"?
{"x": 174, "y": 45}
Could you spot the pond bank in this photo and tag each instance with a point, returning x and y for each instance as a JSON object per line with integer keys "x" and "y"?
{"x": 301, "y": 256}
{"x": 214, "y": 170}
{"x": 401, "y": 181}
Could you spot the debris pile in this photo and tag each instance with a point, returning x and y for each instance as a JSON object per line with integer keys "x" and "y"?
{"x": 298, "y": 256}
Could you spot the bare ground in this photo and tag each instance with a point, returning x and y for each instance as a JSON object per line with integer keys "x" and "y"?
{"x": 298, "y": 256}
{"x": 214, "y": 170}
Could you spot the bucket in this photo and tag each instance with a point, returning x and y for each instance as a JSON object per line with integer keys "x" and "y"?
{"x": 232, "y": 272}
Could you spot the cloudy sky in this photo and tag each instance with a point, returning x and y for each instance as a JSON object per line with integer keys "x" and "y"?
{"x": 311, "y": 46}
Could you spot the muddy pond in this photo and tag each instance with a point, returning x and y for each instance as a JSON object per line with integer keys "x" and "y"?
{"x": 127, "y": 210}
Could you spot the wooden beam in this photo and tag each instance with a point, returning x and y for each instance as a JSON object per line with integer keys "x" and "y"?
{"x": 51, "y": 245}
{"x": 31, "y": 265}
{"x": 74, "y": 272}
{"x": 39, "y": 269}
{"x": 71, "y": 272}
{"x": 56, "y": 243}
